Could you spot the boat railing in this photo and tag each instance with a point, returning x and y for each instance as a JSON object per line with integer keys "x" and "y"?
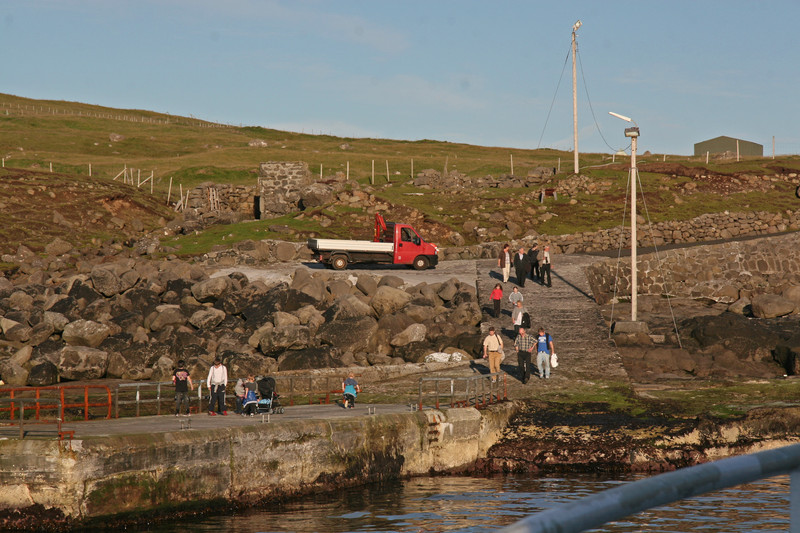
{"x": 615, "y": 504}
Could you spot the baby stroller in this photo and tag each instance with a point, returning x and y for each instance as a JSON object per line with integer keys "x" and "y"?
{"x": 269, "y": 398}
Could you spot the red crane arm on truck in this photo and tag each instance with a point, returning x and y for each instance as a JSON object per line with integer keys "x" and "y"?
{"x": 380, "y": 227}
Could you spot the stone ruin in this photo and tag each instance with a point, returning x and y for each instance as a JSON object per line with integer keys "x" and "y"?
{"x": 279, "y": 186}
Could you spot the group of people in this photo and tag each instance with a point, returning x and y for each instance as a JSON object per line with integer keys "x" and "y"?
{"x": 524, "y": 344}
{"x": 245, "y": 391}
{"x": 526, "y": 264}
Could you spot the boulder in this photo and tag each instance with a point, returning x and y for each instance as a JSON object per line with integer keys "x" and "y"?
{"x": 281, "y": 319}
{"x": 207, "y": 318}
{"x": 466, "y": 314}
{"x": 447, "y": 290}
{"x": 391, "y": 281}
{"x": 771, "y": 306}
{"x": 106, "y": 281}
{"x": 310, "y": 358}
{"x": 285, "y": 251}
{"x": 20, "y": 300}
{"x": 56, "y": 320}
{"x": 285, "y": 338}
{"x": 164, "y": 316}
{"x": 792, "y": 293}
{"x": 256, "y": 338}
{"x": 85, "y": 333}
{"x": 349, "y": 306}
{"x": 40, "y": 333}
{"x": 315, "y": 195}
{"x": 366, "y": 284}
{"x": 43, "y": 374}
{"x": 82, "y": 362}
{"x": 13, "y": 374}
{"x": 348, "y": 334}
{"x": 211, "y": 289}
{"x": 413, "y": 333}
{"x": 388, "y": 300}
{"x": 58, "y": 246}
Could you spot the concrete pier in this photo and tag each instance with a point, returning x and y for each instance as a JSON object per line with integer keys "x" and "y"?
{"x": 149, "y": 463}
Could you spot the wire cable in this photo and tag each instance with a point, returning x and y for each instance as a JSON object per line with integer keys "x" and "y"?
{"x": 554, "y": 99}
{"x": 658, "y": 260}
{"x": 619, "y": 253}
{"x": 588, "y": 99}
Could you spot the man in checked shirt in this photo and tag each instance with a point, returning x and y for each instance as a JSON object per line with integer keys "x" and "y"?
{"x": 524, "y": 343}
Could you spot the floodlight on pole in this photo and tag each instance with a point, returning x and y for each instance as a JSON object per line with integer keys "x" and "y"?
{"x": 633, "y": 133}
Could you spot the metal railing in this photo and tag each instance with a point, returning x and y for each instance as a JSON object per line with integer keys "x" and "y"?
{"x": 40, "y": 405}
{"x": 69, "y": 396}
{"x": 617, "y": 503}
{"x": 480, "y": 390}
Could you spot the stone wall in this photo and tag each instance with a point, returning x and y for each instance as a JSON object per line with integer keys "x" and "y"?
{"x": 238, "y": 199}
{"x": 279, "y": 186}
{"x": 722, "y": 272}
{"x": 103, "y": 476}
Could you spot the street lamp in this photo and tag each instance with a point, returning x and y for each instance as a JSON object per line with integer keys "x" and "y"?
{"x": 633, "y": 133}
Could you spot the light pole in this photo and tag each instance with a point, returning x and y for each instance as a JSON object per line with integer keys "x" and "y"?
{"x": 575, "y": 27}
{"x": 633, "y": 133}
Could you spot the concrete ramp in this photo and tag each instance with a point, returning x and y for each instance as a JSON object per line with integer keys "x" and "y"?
{"x": 566, "y": 310}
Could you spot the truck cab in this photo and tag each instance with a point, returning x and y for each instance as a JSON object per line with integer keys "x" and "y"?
{"x": 409, "y": 247}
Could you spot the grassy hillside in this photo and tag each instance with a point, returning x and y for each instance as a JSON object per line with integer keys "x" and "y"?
{"x": 35, "y": 134}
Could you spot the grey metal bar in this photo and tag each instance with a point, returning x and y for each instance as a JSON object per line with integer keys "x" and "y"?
{"x": 617, "y": 503}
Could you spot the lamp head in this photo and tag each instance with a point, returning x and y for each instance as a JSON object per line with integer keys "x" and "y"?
{"x": 621, "y": 117}
{"x": 576, "y": 26}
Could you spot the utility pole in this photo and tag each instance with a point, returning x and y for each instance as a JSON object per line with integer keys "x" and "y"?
{"x": 575, "y": 93}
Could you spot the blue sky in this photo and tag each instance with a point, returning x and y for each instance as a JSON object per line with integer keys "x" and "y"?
{"x": 463, "y": 71}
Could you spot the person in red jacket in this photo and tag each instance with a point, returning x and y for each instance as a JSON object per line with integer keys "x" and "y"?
{"x": 497, "y": 298}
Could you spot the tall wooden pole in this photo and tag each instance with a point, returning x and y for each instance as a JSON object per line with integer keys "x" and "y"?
{"x": 634, "y": 268}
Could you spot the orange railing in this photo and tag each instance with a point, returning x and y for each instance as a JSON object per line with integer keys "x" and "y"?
{"x": 88, "y": 396}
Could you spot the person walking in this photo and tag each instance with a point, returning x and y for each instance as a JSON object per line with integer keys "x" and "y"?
{"x": 524, "y": 343}
{"x": 216, "y": 382}
{"x": 515, "y": 297}
{"x": 516, "y": 316}
{"x": 493, "y": 351}
{"x": 239, "y": 393}
{"x": 504, "y": 262}
{"x": 522, "y": 266}
{"x": 545, "y": 269}
{"x": 183, "y": 384}
{"x": 544, "y": 348}
{"x": 533, "y": 257}
{"x": 497, "y": 299}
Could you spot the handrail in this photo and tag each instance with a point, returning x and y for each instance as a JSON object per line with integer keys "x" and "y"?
{"x": 479, "y": 390}
{"x": 37, "y": 401}
{"x": 614, "y": 504}
{"x": 85, "y": 403}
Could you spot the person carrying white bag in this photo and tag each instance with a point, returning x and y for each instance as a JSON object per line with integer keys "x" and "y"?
{"x": 544, "y": 351}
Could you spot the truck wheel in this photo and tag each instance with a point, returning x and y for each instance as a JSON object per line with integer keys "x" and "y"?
{"x": 339, "y": 262}
{"x": 797, "y": 192}
{"x": 421, "y": 263}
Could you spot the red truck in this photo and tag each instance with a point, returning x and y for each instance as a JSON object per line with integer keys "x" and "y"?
{"x": 394, "y": 243}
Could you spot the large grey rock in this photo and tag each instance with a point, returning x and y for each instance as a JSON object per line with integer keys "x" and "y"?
{"x": 366, "y": 284}
{"x": 82, "y": 362}
{"x": 771, "y": 306}
{"x": 315, "y": 195}
{"x": 164, "y": 316}
{"x": 58, "y": 246}
{"x": 211, "y": 289}
{"x": 106, "y": 281}
{"x": 13, "y": 374}
{"x": 351, "y": 334}
{"x": 43, "y": 374}
{"x": 349, "y": 306}
{"x": 207, "y": 318}
{"x": 281, "y": 319}
{"x": 284, "y": 251}
{"x": 285, "y": 338}
{"x": 20, "y": 300}
{"x": 40, "y": 333}
{"x": 310, "y": 358}
{"x": 388, "y": 299}
{"x": 56, "y": 320}
{"x": 85, "y": 333}
{"x": 792, "y": 293}
{"x": 413, "y": 333}
{"x": 466, "y": 314}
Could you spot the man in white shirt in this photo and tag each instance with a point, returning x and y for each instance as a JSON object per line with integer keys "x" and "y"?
{"x": 545, "y": 267}
{"x": 493, "y": 350}
{"x": 217, "y": 379}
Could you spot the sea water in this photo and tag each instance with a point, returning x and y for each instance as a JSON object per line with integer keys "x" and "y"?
{"x": 478, "y": 504}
